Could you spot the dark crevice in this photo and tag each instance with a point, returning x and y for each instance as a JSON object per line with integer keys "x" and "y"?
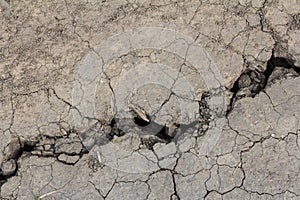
{"x": 269, "y": 70}
{"x": 19, "y": 148}
{"x": 25, "y": 148}
{"x": 252, "y": 81}
{"x": 115, "y": 129}
{"x": 152, "y": 132}
{"x": 235, "y": 88}
{"x": 164, "y": 134}
{"x": 286, "y": 63}
{"x": 158, "y": 132}
{"x": 141, "y": 122}
{"x": 175, "y": 194}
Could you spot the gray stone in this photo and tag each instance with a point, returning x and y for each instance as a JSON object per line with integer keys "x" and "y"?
{"x": 8, "y": 167}
{"x": 68, "y": 145}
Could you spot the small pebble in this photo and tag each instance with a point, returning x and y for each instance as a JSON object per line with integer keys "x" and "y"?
{"x": 8, "y": 167}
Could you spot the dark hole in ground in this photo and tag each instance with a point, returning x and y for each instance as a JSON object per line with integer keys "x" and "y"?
{"x": 115, "y": 130}
{"x": 152, "y": 133}
{"x": 140, "y": 122}
{"x": 152, "y": 127}
{"x": 162, "y": 133}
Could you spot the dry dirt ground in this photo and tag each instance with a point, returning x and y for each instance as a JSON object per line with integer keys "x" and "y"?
{"x": 160, "y": 99}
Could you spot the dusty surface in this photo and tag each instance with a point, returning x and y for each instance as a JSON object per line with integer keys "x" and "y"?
{"x": 150, "y": 99}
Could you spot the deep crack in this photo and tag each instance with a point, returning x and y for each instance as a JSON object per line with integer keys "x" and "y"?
{"x": 252, "y": 81}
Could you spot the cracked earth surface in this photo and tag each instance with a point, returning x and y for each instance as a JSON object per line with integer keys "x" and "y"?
{"x": 227, "y": 130}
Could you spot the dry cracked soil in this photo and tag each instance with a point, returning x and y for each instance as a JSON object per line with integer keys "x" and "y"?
{"x": 140, "y": 99}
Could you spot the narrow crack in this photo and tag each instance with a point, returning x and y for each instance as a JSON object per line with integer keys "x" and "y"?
{"x": 175, "y": 194}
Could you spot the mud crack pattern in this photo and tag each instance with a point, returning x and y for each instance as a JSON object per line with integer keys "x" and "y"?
{"x": 149, "y": 99}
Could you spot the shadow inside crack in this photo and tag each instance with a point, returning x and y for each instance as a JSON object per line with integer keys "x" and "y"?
{"x": 150, "y": 133}
{"x": 252, "y": 81}
{"x": 16, "y": 149}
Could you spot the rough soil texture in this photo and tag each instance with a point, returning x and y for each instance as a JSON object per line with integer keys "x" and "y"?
{"x": 174, "y": 99}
